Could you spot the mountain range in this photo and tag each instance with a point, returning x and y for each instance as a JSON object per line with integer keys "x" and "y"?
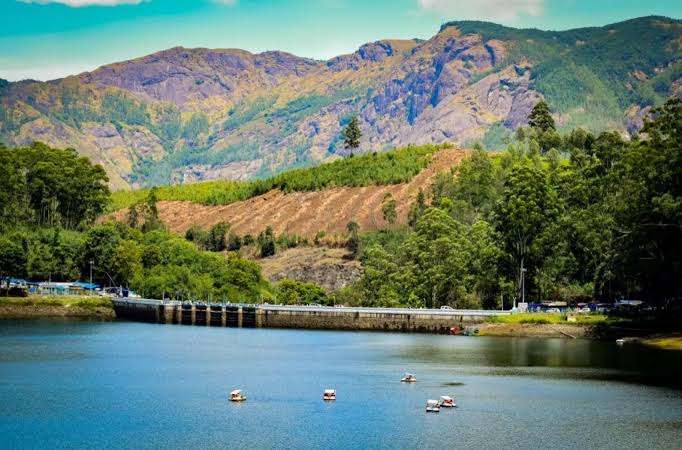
{"x": 183, "y": 115}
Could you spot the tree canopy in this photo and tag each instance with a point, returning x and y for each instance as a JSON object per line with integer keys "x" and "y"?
{"x": 46, "y": 186}
{"x": 540, "y": 118}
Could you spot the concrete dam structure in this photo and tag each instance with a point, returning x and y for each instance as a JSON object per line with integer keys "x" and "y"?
{"x": 313, "y": 317}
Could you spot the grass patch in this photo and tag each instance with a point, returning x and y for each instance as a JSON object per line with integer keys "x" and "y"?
{"x": 553, "y": 319}
{"x": 38, "y": 301}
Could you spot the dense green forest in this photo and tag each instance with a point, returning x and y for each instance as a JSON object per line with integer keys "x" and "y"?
{"x": 372, "y": 169}
{"x": 49, "y": 200}
{"x": 46, "y": 187}
{"x": 577, "y": 217}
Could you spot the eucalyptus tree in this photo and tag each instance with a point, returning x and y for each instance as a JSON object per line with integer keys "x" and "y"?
{"x": 526, "y": 207}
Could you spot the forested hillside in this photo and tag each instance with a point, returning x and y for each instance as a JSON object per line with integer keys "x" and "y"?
{"x": 595, "y": 217}
{"x": 185, "y": 115}
{"x": 572, "y": 216}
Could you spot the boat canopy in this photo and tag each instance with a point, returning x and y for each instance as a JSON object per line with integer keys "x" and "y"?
{"x": 446, "y": 398}
{"x": 329, "y": 391}
{"x": 432, "y": 403}
{"x": 236, "y": 392}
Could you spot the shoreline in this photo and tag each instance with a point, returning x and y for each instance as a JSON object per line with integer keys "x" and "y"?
{"x": 107, "y": 313}
{"x": 46, "y": 307}
{"x": 93, "y": 307}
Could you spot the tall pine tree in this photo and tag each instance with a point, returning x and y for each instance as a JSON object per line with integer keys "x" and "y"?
{"x": 540, "y": 118}
{"x": 352, "y": 135}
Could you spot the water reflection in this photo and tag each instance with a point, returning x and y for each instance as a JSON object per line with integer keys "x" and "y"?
{"x": 534, "y": 357}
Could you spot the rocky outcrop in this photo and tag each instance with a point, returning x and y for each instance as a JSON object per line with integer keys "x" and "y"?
{"x": 145, "y": 144}
{"x": 234, "y": 171}
{"x": 634, "y": 118}
{"x": 375, "y": 52}
{"x": 331, "y": 277}
{"x": 436, "y": 73}
{"x": 326, "y": 267}
{"x": 105, "y": 135}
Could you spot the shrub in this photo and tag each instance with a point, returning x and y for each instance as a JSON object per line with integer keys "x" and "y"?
{"x": 291, "y": 292}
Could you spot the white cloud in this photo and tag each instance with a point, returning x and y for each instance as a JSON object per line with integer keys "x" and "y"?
{"x": 80, "y": 3}
{"x": 495, "y": 10}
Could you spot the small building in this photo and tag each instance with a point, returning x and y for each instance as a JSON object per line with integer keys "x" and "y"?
{"x": 71, "y": 288}
{"x": 90, "y": 288}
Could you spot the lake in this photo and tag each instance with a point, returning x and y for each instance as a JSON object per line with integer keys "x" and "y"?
{"x": 83, "y": 384}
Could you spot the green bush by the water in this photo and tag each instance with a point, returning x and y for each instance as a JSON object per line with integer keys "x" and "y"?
{"x": 391, "y": 167}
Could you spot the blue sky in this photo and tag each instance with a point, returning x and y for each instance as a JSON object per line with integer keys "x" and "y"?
{"x": 47, "y": 39}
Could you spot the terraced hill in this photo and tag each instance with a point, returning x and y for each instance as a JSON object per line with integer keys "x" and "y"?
{"x": 307, "y": 213}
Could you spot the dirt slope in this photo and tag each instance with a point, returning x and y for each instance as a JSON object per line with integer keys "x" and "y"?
{"x": 306, "y": 213}
{"x": 327, "y": 267}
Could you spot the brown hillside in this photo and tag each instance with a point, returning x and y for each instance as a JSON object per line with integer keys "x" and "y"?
{"x": 306, "y": 213}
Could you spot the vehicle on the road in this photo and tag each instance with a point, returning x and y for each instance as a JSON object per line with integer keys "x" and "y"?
{"x": 446, "y": 308}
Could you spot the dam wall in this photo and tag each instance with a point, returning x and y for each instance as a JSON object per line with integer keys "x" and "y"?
{"x": 312, "y": 317}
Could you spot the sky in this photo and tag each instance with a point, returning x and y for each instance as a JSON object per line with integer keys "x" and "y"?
{"x": 48, "y": 39}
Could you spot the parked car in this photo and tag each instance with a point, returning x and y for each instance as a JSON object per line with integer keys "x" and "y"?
{"x": 553, "y": 310}
{"x": 446, "y": 307}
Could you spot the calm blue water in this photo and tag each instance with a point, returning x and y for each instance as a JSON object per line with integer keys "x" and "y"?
{"x": 73, "y": 384}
